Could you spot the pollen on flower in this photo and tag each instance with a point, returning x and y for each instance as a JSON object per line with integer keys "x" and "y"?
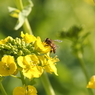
{"x": 6, "y": 66}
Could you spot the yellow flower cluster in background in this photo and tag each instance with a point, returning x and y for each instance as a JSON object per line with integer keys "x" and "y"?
{"x": 91, "y": 83}
{"x": 92, "y": 2}
{"x": 27, "y": 55}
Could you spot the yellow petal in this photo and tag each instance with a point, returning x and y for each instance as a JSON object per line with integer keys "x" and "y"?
{"x": 19, "y": 91}
{"x": 28, "y": 38}
{"x": 31, "y": 90}
{"x": 49, "y": 63}
{"x": 23, "y": 61}
{"x": 39, "y": 46}
{"x": 8, "y": 59}
{"x": 51, "y": 67}
{"x": 33, "y": 72}
{"x": 91, "y": 83}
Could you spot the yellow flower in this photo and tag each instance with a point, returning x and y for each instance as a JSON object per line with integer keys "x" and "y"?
{"x": 49, "y": 63}
{"x": 28, "y": 90}
{"x": 50, "y": 67}
{"x": 92, "y": 2}
{"x": 91, "y": 83}
{"x": 5, "y": 40}
{"x": 7, "y": 65}
{"x": 28, "y": 38}
{"x": 30, "y": 66}
{"x": 41, "y": 46}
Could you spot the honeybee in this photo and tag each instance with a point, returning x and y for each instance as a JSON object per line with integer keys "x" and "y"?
{"x": 51, "y": 44}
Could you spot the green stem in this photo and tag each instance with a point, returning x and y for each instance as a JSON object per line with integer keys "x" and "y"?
{"x": 19, "y": 4}
{"x": 2, "y": 89}
{"x": 47, "y": 85}
{"x": 26, "y": 25}
{"x": 22, "y": 79}
{"x": 82, "y": 64}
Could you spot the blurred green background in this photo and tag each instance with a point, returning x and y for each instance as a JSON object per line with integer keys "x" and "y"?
{"x": 47, "y": 19}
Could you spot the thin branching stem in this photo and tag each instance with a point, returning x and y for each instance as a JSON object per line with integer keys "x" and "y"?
{"x": 83, "y": 67}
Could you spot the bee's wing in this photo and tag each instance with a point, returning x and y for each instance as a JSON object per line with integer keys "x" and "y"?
{"x": 58, "y": 41}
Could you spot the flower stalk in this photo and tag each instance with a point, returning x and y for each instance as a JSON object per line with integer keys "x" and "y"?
{"x": 22, "y": 79}
{"x": 82, "y": 64}
{"x": 2, "y": 89}
{"x": 46, "y": 84}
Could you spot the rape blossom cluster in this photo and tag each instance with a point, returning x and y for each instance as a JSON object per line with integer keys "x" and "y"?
{"x": 28, "y": 55}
